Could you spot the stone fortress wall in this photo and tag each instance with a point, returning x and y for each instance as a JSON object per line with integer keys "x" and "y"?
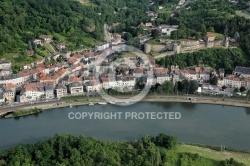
{"x": 172, "y": 48}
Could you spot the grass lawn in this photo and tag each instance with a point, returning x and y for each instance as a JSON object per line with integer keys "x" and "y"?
{"x": 241, "y": 13}
{"x": 215, "y": 155}
{"x": 19, "y": 60}
{"x": 154, "y": 41}
{"x": 43, "y": 53}
{"x": 59, "y": 36}
{"x": 48, "y": 47}
{"x": 128, "y": 54}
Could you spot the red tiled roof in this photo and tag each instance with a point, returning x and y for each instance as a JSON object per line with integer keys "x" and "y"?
{"x": 211, "y": 35}
{"x": 161, "y": 70}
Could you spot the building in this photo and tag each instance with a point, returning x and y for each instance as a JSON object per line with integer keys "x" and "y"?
{"x": 92, "y": 86}
{"x": 5, "y": 65}
{"x": 148, "y": 24}
{"x": 32, "y": 92}
{"x": 128, "y": 81}
{"x": 47, "y": 38}
{"x": 209, "y": 37}
{"x": 49, "y": 92}
{"x": 242, "y": 71}
{"x": 117, "y": 39}
{"x": 102, "y": 47}
{"x": 221, "y": 73}
{"x": 16, "y": 79}
{"x": 162, "y": 77}
{"x": 234, "y": 82}
{"x": 5, "y": 72}
{"x": 61, "y": 45}
{"x": 2, "y": 99}
{"x": 60, "y": 91}
{"x": 37, "y": 42}
{"x": 167, "y": 29}
{"x": 75, "y": 88}
{"x": 9, "y": 94}
{"x": 138, "y": 72}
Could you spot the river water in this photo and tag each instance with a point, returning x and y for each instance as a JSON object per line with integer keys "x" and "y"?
{"x": 199, "y": 123}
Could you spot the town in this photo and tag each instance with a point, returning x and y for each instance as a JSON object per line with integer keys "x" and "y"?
{"x": 66, "y": 73}
{"x": 75, "y": 75}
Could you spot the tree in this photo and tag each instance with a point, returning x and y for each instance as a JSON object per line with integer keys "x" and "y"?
{"x": 214, "y": 80}
{"x": 155, "y": 33}
{"x": 236, "y": 36}
{"x": 166, "y": 141}
{"x": 203, "y": 29}
{"x": 224, "y": 87}
{"x": 242, "y": 89}
{"x": 193, "y": 86}
{"x": 211, "y": 29}
{"x": 127, "y": 36}
{"x": 168, "y": 87}
{"x": 159, "y": 90}
{"x": 248, "y": 94}
{"x": 185, "y": 86}
{"x": 236, "y": 90}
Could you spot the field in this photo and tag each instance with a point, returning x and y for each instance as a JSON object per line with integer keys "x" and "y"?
{"x": 215, "y": 155}
{"x": 243, "y": 13}
{"x": 48, "y": 47}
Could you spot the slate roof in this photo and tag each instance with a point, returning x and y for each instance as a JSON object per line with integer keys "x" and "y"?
{"x": 242, "y": 70}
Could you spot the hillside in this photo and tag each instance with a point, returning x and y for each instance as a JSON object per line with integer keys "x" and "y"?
{"x": 80, "y": 25}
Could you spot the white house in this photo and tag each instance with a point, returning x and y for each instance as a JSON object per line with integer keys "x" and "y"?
{"x": 167, "y": 29}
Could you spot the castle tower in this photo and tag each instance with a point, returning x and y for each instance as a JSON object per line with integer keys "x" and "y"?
{"x": 147, "y": 48}
{"x": 177, "y": 48}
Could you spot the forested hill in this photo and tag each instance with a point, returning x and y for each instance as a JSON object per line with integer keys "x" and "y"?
{"x": 215, "y": 15}
{"x": 24, "y": 20}
{"x": 67, "y": 150}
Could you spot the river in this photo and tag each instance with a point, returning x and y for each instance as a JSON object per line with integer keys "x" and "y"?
{"x": 200, "y": 123}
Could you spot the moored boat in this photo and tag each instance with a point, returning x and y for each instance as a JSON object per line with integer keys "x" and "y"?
{"x": 112, "y": 102}
{"x": 102, "y": 103}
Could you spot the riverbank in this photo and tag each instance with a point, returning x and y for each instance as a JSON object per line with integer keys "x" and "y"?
{"x": 20, "y": 113}
{"x": 215, "y": 154}
{"x": 151, "y": 98}
{"x": 80, "y": 101}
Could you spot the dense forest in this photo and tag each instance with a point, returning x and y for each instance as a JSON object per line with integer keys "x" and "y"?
{"x": 67, "y": 150}
{"x": 213, "y": 57}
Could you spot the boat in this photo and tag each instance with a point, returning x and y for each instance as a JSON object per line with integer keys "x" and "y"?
{"x": 127, "y": 102}
{"x": 70, "y": 106}
{"x": 90, "y": 104}
{"x": 112, "y": 102}
{"x": 102, "y": 103}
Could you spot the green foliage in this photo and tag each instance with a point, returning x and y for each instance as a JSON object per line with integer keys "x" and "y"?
{"x": 26, "y": 112}
{"x": 214, "y": 57}
{"x": 166, "y": 88}
{"x": 231, "y": 162}
{"x": 155, "y": 33}
{"x": 218, "y": 16}
{"x": 214, "y": 80}
{"x": 67, "y": 150}
{"x": 80, "y": 25}
{"x": 242, "y": 89}
{"x": 187, "y": 86}
{"x": 166, "y": 141}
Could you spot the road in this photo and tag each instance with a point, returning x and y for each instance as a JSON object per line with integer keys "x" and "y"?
{"x": 15, "y": 107}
